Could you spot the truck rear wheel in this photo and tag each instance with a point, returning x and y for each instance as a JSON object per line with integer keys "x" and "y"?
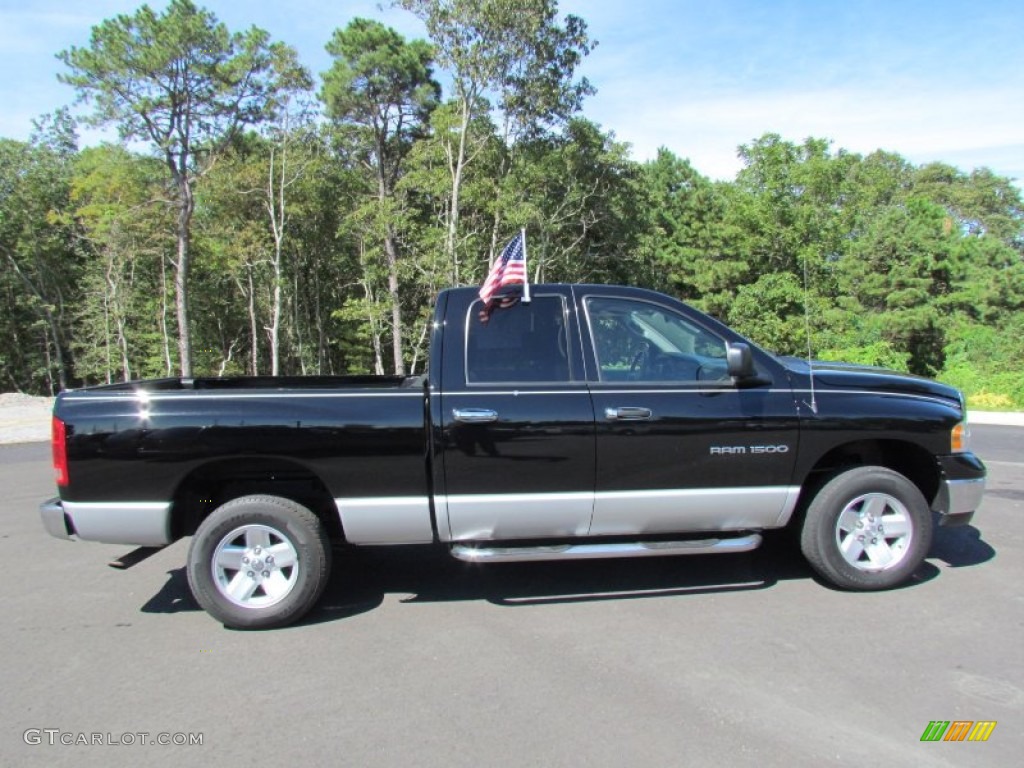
{"x": 258, "y": 562}
{"x": 867, "y": 528}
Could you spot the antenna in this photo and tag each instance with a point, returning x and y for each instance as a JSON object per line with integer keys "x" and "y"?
{"x": 813, "y": 405}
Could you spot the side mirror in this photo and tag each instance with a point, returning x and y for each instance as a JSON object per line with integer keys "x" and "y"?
{"x": 740, "y": 361}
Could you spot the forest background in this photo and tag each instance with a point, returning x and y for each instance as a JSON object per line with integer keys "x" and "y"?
{"x": 257, "y": 219}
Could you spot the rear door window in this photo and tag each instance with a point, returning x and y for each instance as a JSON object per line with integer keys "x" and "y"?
{"x": 524, "y": 343}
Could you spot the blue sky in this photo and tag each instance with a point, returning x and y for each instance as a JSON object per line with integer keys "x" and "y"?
{"x": 929, "y": 79}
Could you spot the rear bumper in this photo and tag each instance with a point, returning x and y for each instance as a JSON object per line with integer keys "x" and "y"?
{"x": 961, "y": 490}
{"x": 144, "y": 524}
{"x": 54, "y": 520}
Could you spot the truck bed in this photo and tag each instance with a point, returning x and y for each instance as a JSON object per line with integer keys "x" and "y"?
{"x": 146, "y": 441}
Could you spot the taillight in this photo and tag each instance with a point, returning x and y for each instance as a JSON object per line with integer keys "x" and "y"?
{"x": 58, "y": 440}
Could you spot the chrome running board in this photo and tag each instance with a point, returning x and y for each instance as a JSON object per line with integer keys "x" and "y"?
{"x": 481, "y": 554}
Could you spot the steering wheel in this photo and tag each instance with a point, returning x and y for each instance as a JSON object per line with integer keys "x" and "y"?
{"x": 638, "y": 367}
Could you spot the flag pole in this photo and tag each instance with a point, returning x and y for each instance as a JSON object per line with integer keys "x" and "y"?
{"x": 526, "y": 270}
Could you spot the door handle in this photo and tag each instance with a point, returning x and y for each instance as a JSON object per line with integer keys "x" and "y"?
{"x": 627, "y": 413}
{"x": 475, "y": 415}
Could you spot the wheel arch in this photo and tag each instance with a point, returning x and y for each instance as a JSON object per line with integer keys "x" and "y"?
{"x": 909, "y": 459}
{"x": 216, "y": 482}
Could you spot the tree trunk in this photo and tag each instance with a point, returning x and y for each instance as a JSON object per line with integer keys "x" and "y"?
{"x": 322, "y": 353}
{"x": 300, "y": 347}
{"x": 122, "y": 342}
{"x": 396, "y": 306}
{"x": 418, "y": 348}
{"x": 49, "y": 363}
{"x": 107, "y": 296}
{"x": 181, "y": 269}
{"x": 276, "y": 209}
{"x": 453, "y": 214}
{"x": 375, "y": 333}
{"x": 253, "y": 325}
{"x": 275, "y": 321}
{"x": 168, "y": 364}
{"x": 385, "y": 190}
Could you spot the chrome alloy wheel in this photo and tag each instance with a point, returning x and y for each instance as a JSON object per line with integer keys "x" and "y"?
{"x": 874, "y": 532}
{"x": 255, "y": 566}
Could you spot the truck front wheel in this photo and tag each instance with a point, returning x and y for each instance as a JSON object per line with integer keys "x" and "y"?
{"x": 867, "y": 528}
{"x": 258, "y": 562}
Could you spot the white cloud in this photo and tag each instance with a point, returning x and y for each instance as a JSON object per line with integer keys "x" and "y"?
{"x": 916, "y": 123}
{"x": 700, "y": 78}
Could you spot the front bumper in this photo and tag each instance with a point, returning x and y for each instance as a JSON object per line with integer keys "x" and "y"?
{"x": 961, "y": 489}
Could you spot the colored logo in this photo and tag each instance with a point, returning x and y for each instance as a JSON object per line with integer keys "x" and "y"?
{"x": 958, "y": 730}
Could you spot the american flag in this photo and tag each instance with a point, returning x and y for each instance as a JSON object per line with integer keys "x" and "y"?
{"x": 508, "y": 269}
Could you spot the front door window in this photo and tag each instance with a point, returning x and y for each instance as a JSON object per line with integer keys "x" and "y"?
{"x": 636, "y": 341}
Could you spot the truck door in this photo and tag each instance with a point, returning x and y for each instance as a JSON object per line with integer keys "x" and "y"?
{"x": 680, "y": 447}
{"x": 517, "y": 424}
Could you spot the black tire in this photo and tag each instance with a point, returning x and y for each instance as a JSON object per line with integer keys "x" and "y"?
{"x": 867, "y": 528}
{"x": 282, "y": 556}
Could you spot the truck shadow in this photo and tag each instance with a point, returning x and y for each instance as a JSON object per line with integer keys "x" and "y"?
{"x": 960, "y": 547}
{"x": 361, "y": 578}
{"x": 428, "y": 576}
{"x": 174, "y": 596}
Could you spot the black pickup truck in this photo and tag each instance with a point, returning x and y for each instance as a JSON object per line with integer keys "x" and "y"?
{"x": 593, "y": 421}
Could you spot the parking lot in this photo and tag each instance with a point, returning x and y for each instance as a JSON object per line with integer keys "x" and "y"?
{"x": 414, "y": 659}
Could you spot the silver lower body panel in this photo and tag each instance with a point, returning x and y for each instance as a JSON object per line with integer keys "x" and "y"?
{"x": 496, "y": 517}
{"x": 515, "y": 515}
{"x": 625, "y": 513}
{"x": 386, "y": 520}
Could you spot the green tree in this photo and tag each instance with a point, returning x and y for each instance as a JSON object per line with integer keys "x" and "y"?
{"x": 979, "y": 204}
{"x": 382, "y": 88}
{"x": 185, "y": 84}
{"x": 576, "y": 193}
{"x": 122, "y": 328}
{"x": 42, "y": 263}
{"x": 251, "y": 284}
{"x": 234, "y": 278}
{"x": 292, "y": 154}
{"x": 685, "y": 238}
{"x": 512, "y": 58}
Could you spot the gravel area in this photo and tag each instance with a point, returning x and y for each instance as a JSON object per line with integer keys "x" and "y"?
{"x": 24, "y": 418}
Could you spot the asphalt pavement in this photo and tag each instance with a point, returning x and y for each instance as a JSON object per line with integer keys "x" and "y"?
{"x": 414, "y": 659}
